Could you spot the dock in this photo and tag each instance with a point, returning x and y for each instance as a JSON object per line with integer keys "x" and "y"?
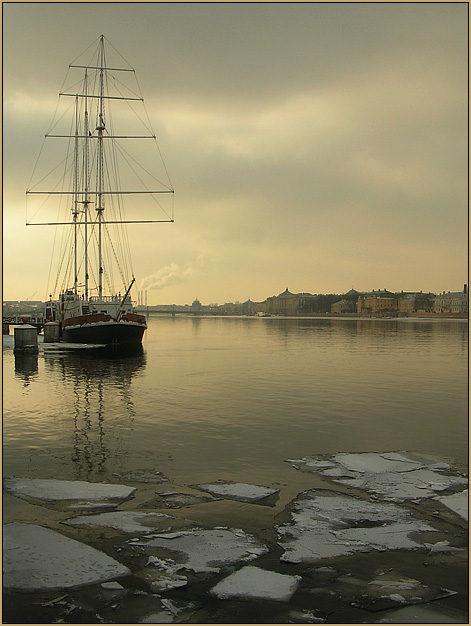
{"x": 18, "y": 320}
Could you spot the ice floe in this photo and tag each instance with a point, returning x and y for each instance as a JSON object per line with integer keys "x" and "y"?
{"x": 308, "y": 616}
{"x": 172, "y": 612}
{"x": 393, "y": 476}
{"x": 239, "y": 491}
{"x": 326, "y": 525}
{"x": 40, "y": 559}
{"x": 112, "y": 586}
{"x": 175, "y": 500}
{"x": 252, "y": 582}
{"x": 457, "y": 502}
{"x": 55, "y": 490}
{"x": 161, "y": 574}
{"x": 207, "y": 550}
{"x": 385, "y": 590}
{"x": 125, "y": 521}
{"x": 427, "y": 614}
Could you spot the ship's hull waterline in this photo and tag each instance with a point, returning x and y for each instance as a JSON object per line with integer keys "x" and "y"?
{"x": 107, "y": 333}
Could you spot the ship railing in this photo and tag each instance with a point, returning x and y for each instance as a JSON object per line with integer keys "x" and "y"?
{"x": 111, "y": 299}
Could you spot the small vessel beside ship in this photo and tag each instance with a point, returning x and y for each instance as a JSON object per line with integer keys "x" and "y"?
{"x": 89, "y": 303}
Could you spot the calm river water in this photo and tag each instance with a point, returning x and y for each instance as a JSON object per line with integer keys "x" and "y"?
{"x": 233, "y": 398}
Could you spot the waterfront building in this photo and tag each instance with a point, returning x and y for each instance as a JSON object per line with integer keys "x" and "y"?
{"x": 343, "y": 306}
{"x": 377, "y": 302}
{"x": 287, "y": 303}
{"x": 196, "y": 306}
{"x": 415, "y": 302}
{"x": 452, "y": 302}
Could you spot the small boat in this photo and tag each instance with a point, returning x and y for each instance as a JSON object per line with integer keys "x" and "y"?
{"x": 85, "y": 192}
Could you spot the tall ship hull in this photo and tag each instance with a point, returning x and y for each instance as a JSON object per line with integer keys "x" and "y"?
{"x": 108, "y": 332}
{"x": 102, "y": 118}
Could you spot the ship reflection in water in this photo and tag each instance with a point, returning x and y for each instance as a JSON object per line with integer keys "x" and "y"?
{"x": 98, "y": 388}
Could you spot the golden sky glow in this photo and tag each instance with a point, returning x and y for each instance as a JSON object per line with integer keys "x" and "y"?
{"x": 317, "y": 147}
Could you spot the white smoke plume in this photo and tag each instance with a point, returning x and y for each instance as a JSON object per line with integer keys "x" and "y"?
{"x": 168, "y": 275}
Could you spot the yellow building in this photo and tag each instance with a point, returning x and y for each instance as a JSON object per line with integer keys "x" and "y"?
{"x": 377, "y": 303}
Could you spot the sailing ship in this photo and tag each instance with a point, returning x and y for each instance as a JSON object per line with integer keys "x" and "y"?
{"x": 91, "y": 297}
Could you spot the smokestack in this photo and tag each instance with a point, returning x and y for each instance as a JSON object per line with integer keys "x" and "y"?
{"x": 465, "y": 290}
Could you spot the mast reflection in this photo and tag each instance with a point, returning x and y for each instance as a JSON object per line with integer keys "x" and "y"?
{"x": 102, "y": 411}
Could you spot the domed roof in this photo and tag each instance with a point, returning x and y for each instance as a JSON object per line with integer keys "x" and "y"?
{"x": 286, "y": 292}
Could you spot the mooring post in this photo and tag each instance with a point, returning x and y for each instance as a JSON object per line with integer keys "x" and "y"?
{"x": 26, "y": 339}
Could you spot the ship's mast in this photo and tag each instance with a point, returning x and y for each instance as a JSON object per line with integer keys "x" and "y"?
{"x": 88, "y": 187}
{"x": 85, "y": 183}
{"x": 76, "y": 180}
{"x": 100, "y": 208}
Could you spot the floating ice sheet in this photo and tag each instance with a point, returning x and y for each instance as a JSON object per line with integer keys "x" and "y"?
{"x": 332, "y": 525}
{"x": 385, "y": 590}
{"x": 427, "y": 614}
{"x": 239, "y": 491}
{"x": 173, "y": 500}
{"x": 40, "y": 559}
{"x": 397, "y": 486}
{"x": 56, "y": 490}
{"x": 207, "y": 550}
{"x": 374, "y": 463}
{"x": 112, "y": 586}
{"x": 308, "y": 616}
{"x": 393, "y": 476}
{"x": 173, "y": 612}
{"x": 161, "y": 574}
{"x": 125, "y": 521}
{"x": 458, "y": 502}
{"x": 255, "y": 583}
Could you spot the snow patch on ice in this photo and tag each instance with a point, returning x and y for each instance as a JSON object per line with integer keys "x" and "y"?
{"x": 161, "y": 574}
{"x": 397, "y": 486}
{"x": 374, "y": 463}
{"x": 207, "y": 550}
{"x": 125, "y": 521}
{"x": 326, "y": 526}
{"x": 458, "y": 502}
{"x": 393, "y": 476}
{"x": 40, "y": 559}
{"x": 56, "y": 490}
{"x": 426, "y": 614}
{"x": 255, "y": 583}
{"x": 112, "y": 586}
{"x": 174, "y": 500}
{"x": 239, "y": 491}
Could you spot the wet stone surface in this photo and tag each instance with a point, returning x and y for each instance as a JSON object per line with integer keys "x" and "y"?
{"x": 357, "y": 550}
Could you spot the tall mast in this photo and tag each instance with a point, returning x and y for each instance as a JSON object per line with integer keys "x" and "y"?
{"x": 85, "y": 185}
{"x": 100, "y": 128}
{"x": 75, "y": 209}
{"x": 88, "y": 186}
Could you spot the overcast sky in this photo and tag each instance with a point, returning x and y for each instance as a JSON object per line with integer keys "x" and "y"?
{"x": 317, "y": 147}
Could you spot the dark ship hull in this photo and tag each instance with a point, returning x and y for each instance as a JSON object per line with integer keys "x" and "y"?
{"x": 105, "y": 331}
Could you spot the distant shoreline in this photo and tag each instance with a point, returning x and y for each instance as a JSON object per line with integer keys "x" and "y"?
{"x": 352, "y": 316}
